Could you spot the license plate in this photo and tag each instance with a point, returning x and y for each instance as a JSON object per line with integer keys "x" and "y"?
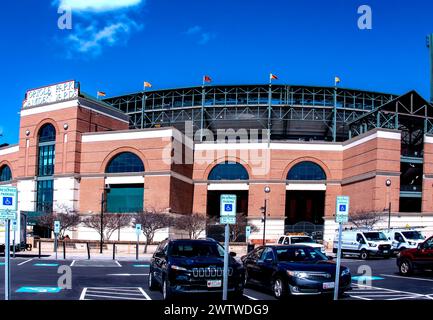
{"x": 328, "y": 285}
{"x": 214, "y": 283}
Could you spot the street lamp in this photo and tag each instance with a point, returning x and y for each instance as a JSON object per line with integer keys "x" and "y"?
{"x": 264, "y": 212}
{"x": 388, "y": 184}
{"x": 103, "y": 203}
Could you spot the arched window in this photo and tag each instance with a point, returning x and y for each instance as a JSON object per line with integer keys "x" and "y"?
{"x": 125, "y": 162}
{"x": 5, "y": 173}
{"x": 228, "y": 171}
{"x": 47, "y": 133}
{"x": 306, "y": 170}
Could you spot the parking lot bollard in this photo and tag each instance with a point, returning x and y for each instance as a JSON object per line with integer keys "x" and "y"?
{"x": 114, "y": 251}
{"x": 64, "y": 250}
{"x": 88, "y": 251}
{"x": 39, "y": 249}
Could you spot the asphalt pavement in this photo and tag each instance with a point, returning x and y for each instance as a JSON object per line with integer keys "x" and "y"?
{"x": 37, "y": 279}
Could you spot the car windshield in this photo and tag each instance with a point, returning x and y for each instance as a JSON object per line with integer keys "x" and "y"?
{"x": 197, "y": 250}
{"x": 375, "y": 236}
{"x": 300, "y": 254}
{"x": 302, "y": 240}
{"x": 413, "y": 235}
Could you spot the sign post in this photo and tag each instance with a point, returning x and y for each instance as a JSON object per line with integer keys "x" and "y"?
{"x": 227, "y": 217}
{"x": 8, "y": 212}
{"x": 14, "y": 229}
{"x": 137, "y": 231}
{"x": 247, "y": 233}
{"x": 341, "y": 216}
{"x": 56, "y": 234}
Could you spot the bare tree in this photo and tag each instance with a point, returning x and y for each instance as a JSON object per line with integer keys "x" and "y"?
{"x": 365, "y": 219}
{"x": 110, "y": 223}
{"x": 67, "y": 217}
{"x": 193, "y": 224}
{"x": 152, "y": 221}
{"x": 237, "y": 230}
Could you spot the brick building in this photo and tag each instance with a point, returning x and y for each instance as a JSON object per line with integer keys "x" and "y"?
{"x": 178, "y": 150}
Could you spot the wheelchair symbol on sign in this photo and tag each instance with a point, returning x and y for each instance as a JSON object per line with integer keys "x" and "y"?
{"x": 7, "y": 201}
{"x": 228, "y": 207}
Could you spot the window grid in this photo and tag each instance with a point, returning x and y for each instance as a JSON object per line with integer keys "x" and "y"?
{"x": 5, "y": 174}
{"x": 125, "y": 162}
{"x": 306, "y": 170}
{"x": 228, "y": 171}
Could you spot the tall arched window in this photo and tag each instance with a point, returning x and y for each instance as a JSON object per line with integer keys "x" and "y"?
{"x": 306, "y": 170}
{"x": 5, "y": 173}
{"x": 45, "y": 173}
{"x": 125, "y": 162}
{"x": 228, "y": 171}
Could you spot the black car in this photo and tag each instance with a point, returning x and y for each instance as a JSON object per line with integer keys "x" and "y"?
{"x": 193, "y": 266}
{"x": 293, "y": 270}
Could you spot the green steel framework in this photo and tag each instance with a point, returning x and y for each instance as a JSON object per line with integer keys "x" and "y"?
{"x": 289, "y": 112}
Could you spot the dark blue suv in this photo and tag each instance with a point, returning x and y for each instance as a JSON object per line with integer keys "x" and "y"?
{"x": 193, "y": 266}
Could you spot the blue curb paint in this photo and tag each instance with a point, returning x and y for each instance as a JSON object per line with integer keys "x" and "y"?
{"x": 2, "y": 263}
{"x": 366, "y": 278}
{"x": 46, "y": 264}
{"x": 141, "y": 265}
{"x": 39, "y": 290}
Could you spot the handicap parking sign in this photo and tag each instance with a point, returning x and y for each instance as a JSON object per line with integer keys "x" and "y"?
{"x": 342, "y": 207}
{"x": 7, "y": 201}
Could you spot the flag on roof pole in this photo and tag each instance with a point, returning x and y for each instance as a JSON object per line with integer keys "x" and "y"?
{"x": 337, "y": 80}
{"x": 100, "y": 94}
{"x": 147, "y": 84}
{"x": 272, "y": 77}
{"x": 206, "y": 79}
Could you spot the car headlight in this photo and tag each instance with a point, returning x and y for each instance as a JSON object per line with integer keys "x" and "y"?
{"x": 174, "y": 267}
{"x": 372, "y": 244}
{"x": 345, "y": 272}
{"x": 297, "y": 274}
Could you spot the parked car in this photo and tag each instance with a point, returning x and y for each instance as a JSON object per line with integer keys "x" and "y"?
{"x": 193, "y": 266}
{"x": 420, "y": 258}
{"x": 293, "y": 270}
{"x": 403, "y": 239}
{"x": 363, "y": 243}
{"x": 301, "y": 239}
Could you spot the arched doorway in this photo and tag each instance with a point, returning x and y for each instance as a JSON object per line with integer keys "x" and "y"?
{"x": 227, "y": 178}
{"x": 305, "y": 199}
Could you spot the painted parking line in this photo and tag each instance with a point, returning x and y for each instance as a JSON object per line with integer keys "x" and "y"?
{"x": 407, "y": 278}
{"x": 2, "y": 263}
{"x": 24, "y": 262}
{"x": 141, "y": 265}
{"x": 365, "y": 292}
{"x": 114, "y": 293}
{"x": 97, "y": 263}
{"x": 249, "y": 297}
{"x": 366, "y": 278}
{"x": 46, "y": 264}
{"x": 72, "y": 263}
{"x": 127, "y": 274}
{"x": 39, "y": 290}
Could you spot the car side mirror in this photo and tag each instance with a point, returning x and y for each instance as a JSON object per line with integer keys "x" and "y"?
{"x": 232, "y": 254}
{"x": 419, "y": 247}
{"x": 160, "y": 254}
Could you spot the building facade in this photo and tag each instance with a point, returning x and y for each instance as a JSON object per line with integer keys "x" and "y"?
{"x": 153, "y": 152}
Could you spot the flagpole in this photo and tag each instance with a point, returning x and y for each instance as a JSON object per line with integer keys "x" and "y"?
{"x": 269, "y": 110}
{"x": 202, "y": 109}
{"x": 334, "y": 120}
{"x": 143, "y": 105}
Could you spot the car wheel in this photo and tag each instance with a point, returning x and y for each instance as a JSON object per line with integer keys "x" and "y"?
{"x": 364, "y": 255}
{"x": 279, "y": 288}
{"x": 405, "y": 268}
{"x": 166, "y": 291}
{"x": 151, "y": 282}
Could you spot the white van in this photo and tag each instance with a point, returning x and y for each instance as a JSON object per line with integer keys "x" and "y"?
{"x": 363, "y": 243}
{"x": 402, "y": 239}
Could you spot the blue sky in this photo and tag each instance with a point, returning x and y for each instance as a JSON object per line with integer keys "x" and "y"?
{"x": 114, "y": 46}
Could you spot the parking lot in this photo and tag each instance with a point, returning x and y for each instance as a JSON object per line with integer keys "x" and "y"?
{"x": 34, "y": 279}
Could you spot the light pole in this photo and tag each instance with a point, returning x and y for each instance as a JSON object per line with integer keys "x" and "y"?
{"x": 264, "y": 210}
{"x": 388, "y": 184}
{"x": 103, "y": 202}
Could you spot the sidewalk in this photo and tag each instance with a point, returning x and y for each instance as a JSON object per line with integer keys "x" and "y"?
{"x": 83, "y": 256}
